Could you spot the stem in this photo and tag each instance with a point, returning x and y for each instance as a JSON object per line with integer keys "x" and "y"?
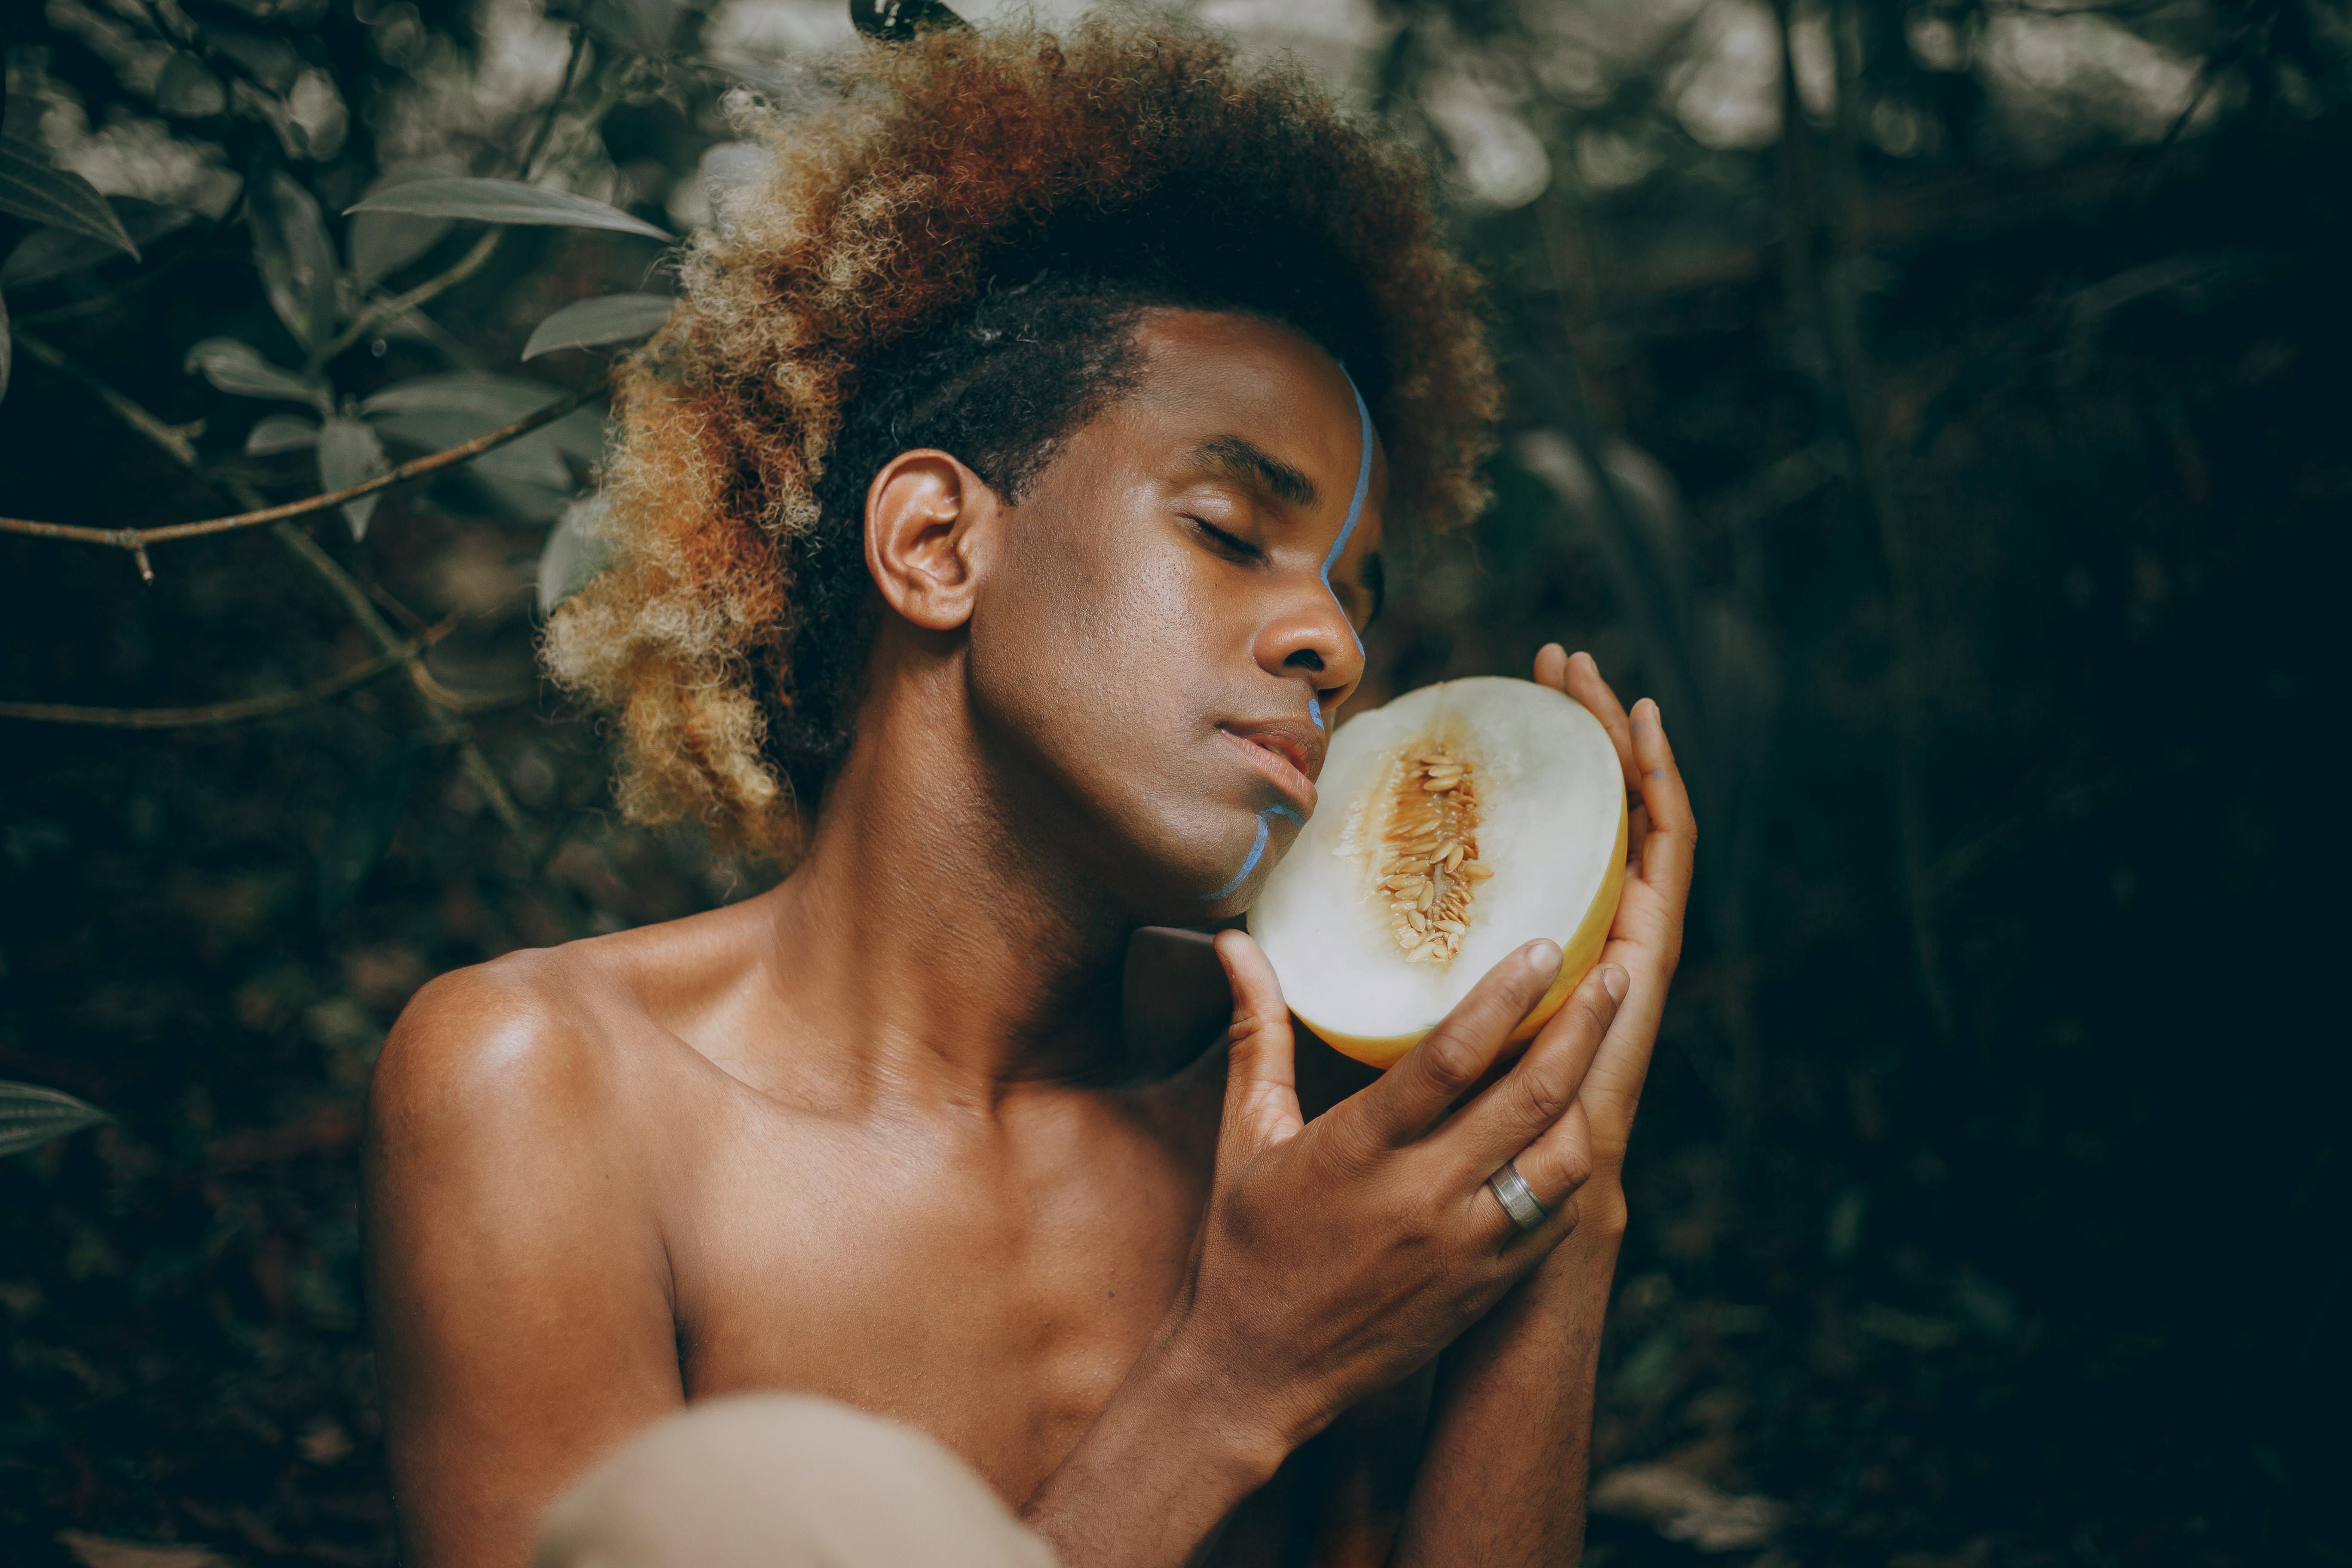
{"x": 357, "y": 597}
{"x": 555, "y": 105}
{"x": 473, "y": 261}
{"x": 173, "y": 438}
{"x": 179, "y": 446}
{"x": 235, "y": 712}
{"x": 354, "y": 597}
{"x": 399, "y": 305}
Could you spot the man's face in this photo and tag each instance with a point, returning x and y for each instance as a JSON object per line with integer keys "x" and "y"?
{"x": 1171, "y": 615}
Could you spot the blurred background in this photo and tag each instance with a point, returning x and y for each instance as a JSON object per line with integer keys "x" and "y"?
{"x": 1925, "y": 400}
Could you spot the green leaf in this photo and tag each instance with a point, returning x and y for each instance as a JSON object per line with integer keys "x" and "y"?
{"x": 237, "y": 368}
{"x": 276, "y": 433}
{"x": 350, "y": 453}
{"x": 500, "y": 399}
{"x": 295, "y": 257}
{"x": 365, "y": 821}
{"x": 30, "y": 188}
{"x": 577, "y": 549}
{"x": 492, "y": 401}
{"x": 613, "y": 319}
{"x": 49, "y": 253}
{"x": 502, "y": 201}
{"x": 30, "y": 1116}
{"x": 532, "y": 459}
{"x": 380, "y": 244}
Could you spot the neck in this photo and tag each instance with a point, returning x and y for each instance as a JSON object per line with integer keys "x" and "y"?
{"x": 940, "y": 933}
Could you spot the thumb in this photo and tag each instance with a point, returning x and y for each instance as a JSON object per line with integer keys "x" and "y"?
{"x": 1261, "y": 1054}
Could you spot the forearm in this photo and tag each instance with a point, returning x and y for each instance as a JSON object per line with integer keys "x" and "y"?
{"x": 1503, "y": 1475}
{"x": 1152, "y": 1480}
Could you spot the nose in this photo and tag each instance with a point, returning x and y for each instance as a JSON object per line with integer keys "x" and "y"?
{"x": 1313, "y": 642}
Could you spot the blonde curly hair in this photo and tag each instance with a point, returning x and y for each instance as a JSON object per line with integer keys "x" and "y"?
{"x": 953, "y": 175}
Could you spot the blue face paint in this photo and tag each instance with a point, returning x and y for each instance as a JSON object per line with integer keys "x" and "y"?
{"x": 1355, "y": 515}
{"x": 1314, "y": 701}
{"x": 1256, "y": 850}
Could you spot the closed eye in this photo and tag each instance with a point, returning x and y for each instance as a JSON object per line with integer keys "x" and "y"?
{"x": 1227, "y": 544}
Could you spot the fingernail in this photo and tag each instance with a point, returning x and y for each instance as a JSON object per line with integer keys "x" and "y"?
{"x": 1543, "y": 956}
{"x": 1612, "y": 979}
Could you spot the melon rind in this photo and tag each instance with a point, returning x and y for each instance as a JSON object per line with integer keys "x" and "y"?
{"x": 1557, "y": 849}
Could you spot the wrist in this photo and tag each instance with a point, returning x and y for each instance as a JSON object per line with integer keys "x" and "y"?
{"x": 1585, "y": 1262}
{"x": 1187, "y": 1383}
{"x": 1601, "y": 1211}
{"x": 1170, "y": 1456}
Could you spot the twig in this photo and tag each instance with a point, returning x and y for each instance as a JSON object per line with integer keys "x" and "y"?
{"x": 174, "y": 438}
{"x": 353, "y": 595}
{"x": 235, "y": 712}
{"x": 555, "y": 105}
{"x": 399, "y": 305}
{"x": 138, "y": 538}
{"x": 356, "y": 598}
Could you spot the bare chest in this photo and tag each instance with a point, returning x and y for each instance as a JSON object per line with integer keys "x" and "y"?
{"x": 993, "y": 1293}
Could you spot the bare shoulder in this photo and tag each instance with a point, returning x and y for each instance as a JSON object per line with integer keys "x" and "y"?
{"x": 497, "y": 1046}
{"x": 542, "y": 1040}
{"x": 513, "y": 1236}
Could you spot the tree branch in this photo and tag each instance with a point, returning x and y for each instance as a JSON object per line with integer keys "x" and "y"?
{"x": 178, "y": 445}
{"x": 354, "y": 594}
{"x": 235, "y": 712}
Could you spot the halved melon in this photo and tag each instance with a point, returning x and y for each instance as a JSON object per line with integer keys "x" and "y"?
{"x": 1456, "y": 823}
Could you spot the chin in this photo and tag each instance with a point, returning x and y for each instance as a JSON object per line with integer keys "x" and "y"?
{"x": 1181, "y": 869}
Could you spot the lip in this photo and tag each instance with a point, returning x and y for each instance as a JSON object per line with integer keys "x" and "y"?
{"x": 1289, "y": 753}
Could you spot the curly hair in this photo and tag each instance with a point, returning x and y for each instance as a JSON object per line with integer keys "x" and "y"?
{"x": 953, "y": 252}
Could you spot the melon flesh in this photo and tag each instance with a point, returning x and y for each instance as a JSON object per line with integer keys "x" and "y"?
{"x": 1455, "y": 823}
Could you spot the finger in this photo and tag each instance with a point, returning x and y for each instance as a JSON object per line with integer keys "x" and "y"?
{"x": 1673, "y": 838}
{"x": 1555, "y": 1167}
{"x": 1552, "y": 666}
{"x": 1261, "y": 1054}
{"x": 1543, "y": 1087}
{"x": 1417, "y": 1092}
{"x": 1637, "y": 833}
{"x": 1583, "y": 682}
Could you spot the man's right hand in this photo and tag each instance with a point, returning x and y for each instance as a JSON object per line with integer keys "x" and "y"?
{"x": 1337, "y": 1256}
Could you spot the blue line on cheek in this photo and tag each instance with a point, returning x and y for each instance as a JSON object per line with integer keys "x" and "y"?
{"x": 1314, "y": 700}
{"x": 1355, "y": 504}
{"x": 1256, "y": 850}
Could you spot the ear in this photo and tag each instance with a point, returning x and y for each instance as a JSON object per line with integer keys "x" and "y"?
{"x": 925, "y": 513}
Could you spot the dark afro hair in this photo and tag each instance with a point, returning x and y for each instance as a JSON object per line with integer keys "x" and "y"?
{"x": 954, "y": 253}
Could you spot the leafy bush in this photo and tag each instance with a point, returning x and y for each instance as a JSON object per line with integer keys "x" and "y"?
{"x": 1992, "y": 343}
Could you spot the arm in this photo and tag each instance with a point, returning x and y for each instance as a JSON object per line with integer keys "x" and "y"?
{"x": 519, "y": 1299}
{"x": 1335, "y": 1255}
{"x": 1503, "y": 1478}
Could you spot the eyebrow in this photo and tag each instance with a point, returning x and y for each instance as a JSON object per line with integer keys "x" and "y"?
{"x": 1251, "y": 464}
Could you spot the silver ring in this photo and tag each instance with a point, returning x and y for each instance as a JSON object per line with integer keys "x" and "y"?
{"x": 1518, "y": 1200}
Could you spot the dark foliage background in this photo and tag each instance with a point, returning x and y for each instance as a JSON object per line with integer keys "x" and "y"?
{"x": 1946, "y": 432}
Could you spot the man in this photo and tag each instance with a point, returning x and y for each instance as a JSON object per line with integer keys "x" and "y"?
{"x": 997, "y": 523}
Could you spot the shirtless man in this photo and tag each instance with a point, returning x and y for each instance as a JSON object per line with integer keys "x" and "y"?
{"x": 866, "y": 1135}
